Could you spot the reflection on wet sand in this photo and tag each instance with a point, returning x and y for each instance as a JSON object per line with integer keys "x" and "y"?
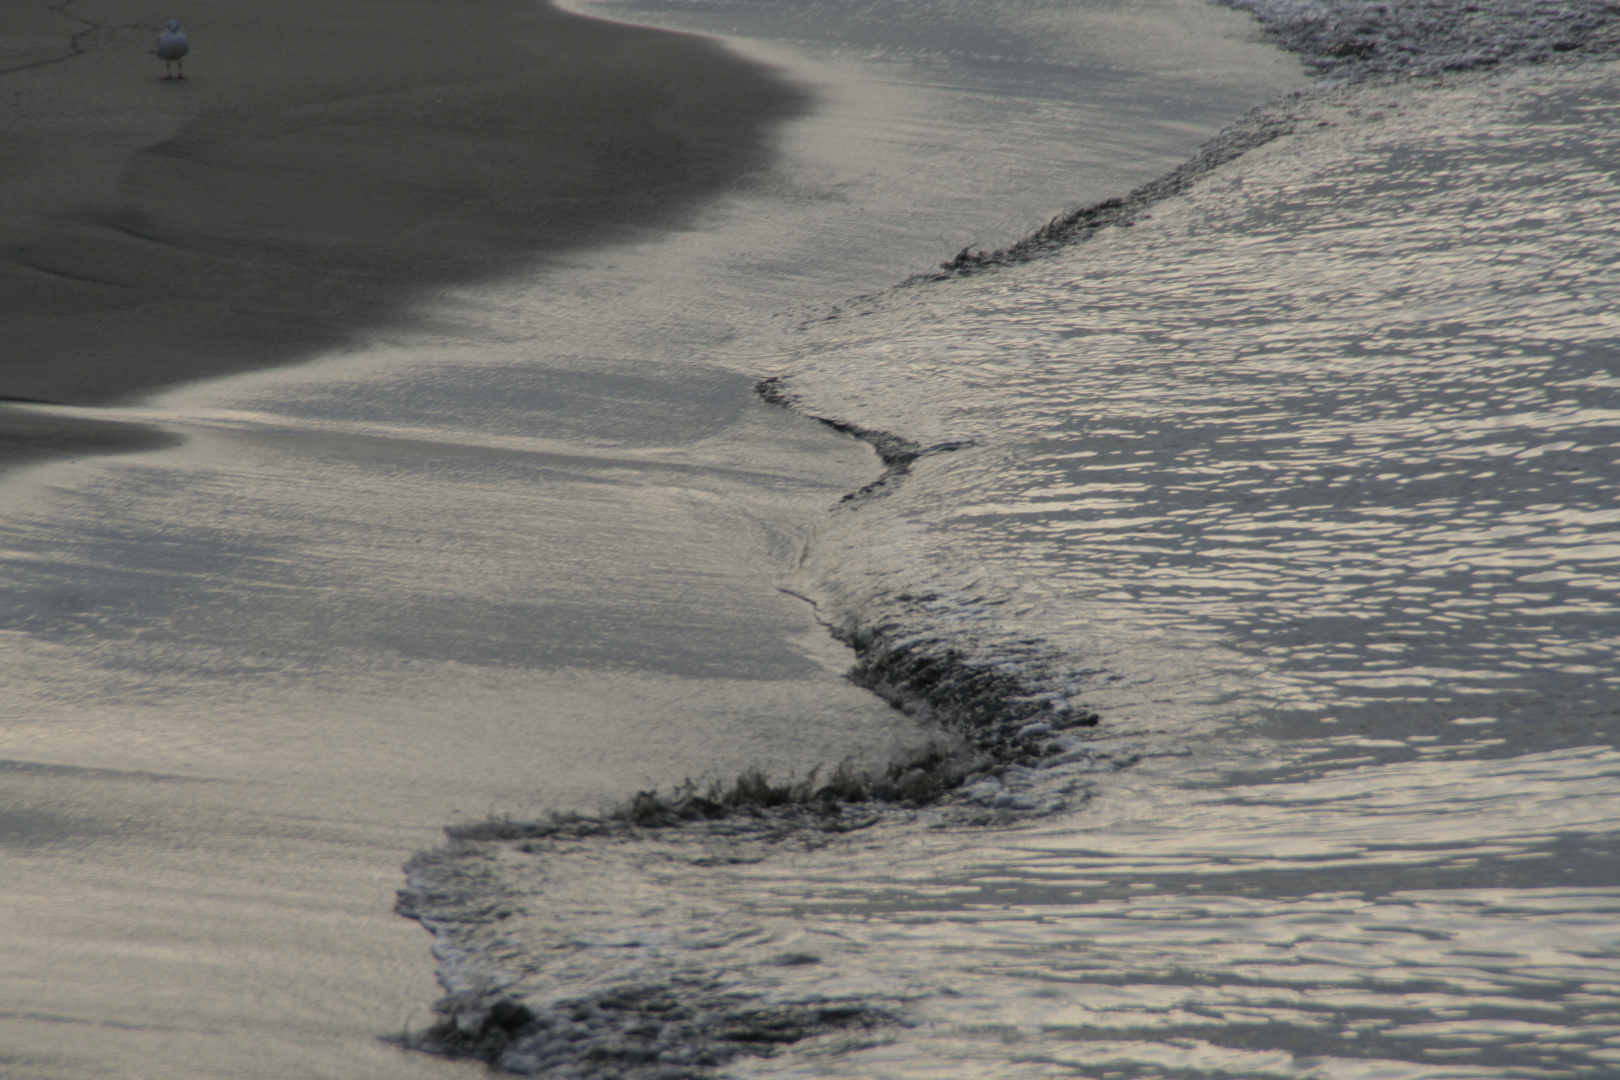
{"x": 521, "y": 554}
{"x": 1319, "y": 460}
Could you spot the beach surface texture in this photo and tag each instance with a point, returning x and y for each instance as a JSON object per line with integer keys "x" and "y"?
{"x": 318, "y": 168}
{"x": 709, "y": 578}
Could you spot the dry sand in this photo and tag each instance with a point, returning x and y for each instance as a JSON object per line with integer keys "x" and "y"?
{"x": 323, "y": 162}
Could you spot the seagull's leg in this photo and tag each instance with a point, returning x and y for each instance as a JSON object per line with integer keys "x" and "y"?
{"x": 180, "y": 65}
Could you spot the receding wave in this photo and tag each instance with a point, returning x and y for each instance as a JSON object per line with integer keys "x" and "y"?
{"x": 1309, "y": 446}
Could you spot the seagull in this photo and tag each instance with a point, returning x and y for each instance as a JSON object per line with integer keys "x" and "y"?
{"x": 171, "y": 46}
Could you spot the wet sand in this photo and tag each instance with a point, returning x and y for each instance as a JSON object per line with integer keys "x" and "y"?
{"x": 524, "y": 553}
{"x": 320, "y": 166}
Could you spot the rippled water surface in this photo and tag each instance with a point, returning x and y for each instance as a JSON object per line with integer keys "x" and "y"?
{"x": 1437, "y": 918}
{"x": 1307, "y": 479}
{"x": 526, "y": 554}
{"x": 1341, "y": 421}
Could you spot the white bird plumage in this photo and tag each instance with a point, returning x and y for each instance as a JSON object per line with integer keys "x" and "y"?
{"x": 172, "y": 45}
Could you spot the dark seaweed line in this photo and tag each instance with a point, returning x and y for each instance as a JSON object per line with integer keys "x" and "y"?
{"x": 983, "y": 720}
{"x": 683, "y": 1029}
{"x": 1349, "y": 43}
{"x": 982, "y": 717}
{"x": 680, "y": 1031}
{"x": 1261, "y": 126}
{"x": 989, "y": 708}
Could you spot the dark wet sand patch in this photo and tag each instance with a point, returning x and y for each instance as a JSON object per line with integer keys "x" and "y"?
{"x": 325, "y": 163}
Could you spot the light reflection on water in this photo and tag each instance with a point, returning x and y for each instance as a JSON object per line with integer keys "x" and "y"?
{"x": 1326, "y": 450}
{"x": 524, "y": 554}
{"x": 1342, "y": 422}
{"x": 1330, "y": 439}
{"x": 1426, "y": 919}
{"x": 1313, "y": 469}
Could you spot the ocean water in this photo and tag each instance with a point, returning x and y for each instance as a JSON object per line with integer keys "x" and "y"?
{"x": 538, "y": 551}
{"x": 1326, "y": 440}
{"x": 1303, "y": 476}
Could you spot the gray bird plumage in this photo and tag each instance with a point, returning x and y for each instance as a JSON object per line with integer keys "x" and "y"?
{"x": 172, "y": 45}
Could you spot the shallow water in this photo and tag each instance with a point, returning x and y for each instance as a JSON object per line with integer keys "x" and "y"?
{"x": 1443, "y": 918}
{"x": 1340, "y": 423}
{"x": 1338, "y": 429}
{"x": 1306, "y": 480}
{"x": 528, "y": 556}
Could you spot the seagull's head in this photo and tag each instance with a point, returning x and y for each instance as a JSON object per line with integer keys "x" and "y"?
{"x": 174, "y": 24}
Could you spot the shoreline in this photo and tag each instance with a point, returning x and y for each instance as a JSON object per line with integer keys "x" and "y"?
{"x": 472, "y": 892}
{"x": 317, "y": 172}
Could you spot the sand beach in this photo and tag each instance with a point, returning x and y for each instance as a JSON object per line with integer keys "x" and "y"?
{"x": 319, "y": 167}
